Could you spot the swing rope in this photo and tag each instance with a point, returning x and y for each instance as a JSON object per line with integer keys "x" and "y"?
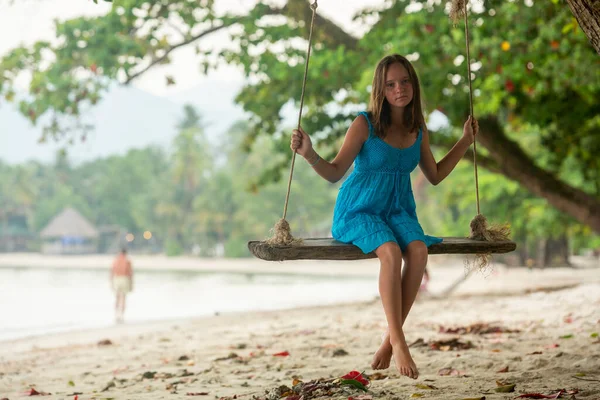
{"x": 281, "y": 231}
{"x": 471, "y": 104}
{"x": 479, "y": 226}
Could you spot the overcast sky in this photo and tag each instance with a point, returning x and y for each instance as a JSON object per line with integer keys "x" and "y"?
{"x": 29, "y": 20}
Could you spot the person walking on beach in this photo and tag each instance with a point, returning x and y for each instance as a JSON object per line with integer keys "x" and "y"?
{"x": 121, "y": 278}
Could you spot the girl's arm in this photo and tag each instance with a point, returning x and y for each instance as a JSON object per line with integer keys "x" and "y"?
{"x": 435, "y": 172}
{"x": 333, "y": 171}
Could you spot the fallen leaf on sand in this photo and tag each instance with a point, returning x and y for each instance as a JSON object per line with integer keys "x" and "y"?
{"x": 503, "y": 370}
{"x": 425, "y": 387}
{"x": 450, "y": 372}
{"x": 450, "y": 344}
{"x": 282, "y": 354}
{"x": 417, "y": 343}
{"x": 105, "y": 342}
{"x": 361, "y": 397}
{"x": 33, "y": 392}
{"x": 543, "y": 396}
{"x": 229, "y": 357}
{"x": 534, "y": 353}
{"x": 569, "y": 336}
{"x": 149, "y": 375}
{"x": 477, "y": 329}
{"x": 196, "y": 394}
{"x": 475, "y": 398}
{"x": 109, "y": 385}
{"x": 417, "y": 395}
{"x": 377, "y": 376}
{"x": 339, "y": 353}
{"x": 594, "y": 335}
{"x": 183, "y": 358}
{"x": 504, "y": 387}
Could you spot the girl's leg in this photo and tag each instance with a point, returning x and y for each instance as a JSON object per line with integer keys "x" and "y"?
{"x": 415, "y": 258}
{"x": 390, "y": 290}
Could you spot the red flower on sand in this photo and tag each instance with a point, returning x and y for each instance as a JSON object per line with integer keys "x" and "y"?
{"x": 356, "y": 376}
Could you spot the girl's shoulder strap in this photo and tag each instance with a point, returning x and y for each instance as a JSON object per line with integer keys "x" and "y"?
{"x": 371, "y": 129}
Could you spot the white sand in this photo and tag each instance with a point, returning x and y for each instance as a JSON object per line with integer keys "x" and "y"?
{"x": 511, "y": 298}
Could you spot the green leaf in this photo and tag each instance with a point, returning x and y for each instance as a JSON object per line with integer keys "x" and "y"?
{"x": 569, "y": 336}
{"x": 594, "y": 335}
{"x": 354, "y": 383}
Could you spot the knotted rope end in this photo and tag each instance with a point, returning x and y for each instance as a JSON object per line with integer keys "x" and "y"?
{"x": 282, "y": 234}
{"x": 457, "y": 10}
{"x": 481, "y": 231}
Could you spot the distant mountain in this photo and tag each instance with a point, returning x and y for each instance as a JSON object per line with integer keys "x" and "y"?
{"x": 126, "y": 118}
{"x": 215, "y": 101}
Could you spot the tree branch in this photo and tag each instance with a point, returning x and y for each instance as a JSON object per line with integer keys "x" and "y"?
{"x": 171, "y": 49}
{"x": 587, "y": 13}
{"x": 516, "y": 165}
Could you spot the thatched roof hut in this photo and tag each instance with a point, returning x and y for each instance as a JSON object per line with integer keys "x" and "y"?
{"x": 69, "y": 223}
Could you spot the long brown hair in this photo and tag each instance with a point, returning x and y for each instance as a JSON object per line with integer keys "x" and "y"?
{"x": 379, "y": 108}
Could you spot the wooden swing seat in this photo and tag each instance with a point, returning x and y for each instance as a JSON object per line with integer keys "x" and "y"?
{"x": 331, "y": 249}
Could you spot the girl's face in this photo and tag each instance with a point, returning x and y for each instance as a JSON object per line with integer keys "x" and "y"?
{"x": 398, "y": 88}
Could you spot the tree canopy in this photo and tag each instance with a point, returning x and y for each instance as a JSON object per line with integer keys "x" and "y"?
{"x": 535, "y": 74}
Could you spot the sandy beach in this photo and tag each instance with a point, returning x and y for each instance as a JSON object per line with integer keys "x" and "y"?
{"x": 528, "y": 331}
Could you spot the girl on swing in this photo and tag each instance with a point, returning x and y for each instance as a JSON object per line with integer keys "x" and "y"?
{"x": 375, "y": 208}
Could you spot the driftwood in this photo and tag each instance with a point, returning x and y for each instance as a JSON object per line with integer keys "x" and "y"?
{"x": 331, "y": 249}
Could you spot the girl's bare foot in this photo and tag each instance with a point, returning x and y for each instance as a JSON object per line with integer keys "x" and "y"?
{"x": 383, "y": 356}
{"x": 404, "y": 362}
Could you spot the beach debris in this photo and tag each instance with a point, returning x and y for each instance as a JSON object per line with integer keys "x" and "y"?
{"x": 534, "y": 353}
{"x": 282, "y": 354}
{"x": 568, "y": 336}
{"x": 450, "y": 344}
{"x": 361, "y": 397}
{"x": 196, "y": 394}
{"x": 579, "y": 376}
{"x": 355, "y": 379}
{"x": 477, "y": 329}
{"x": 502, "y": 370}
{"x": 556, "y": 395}
{"x": 229, "y": 357}
{"x": 339, "y": 353}
{"x": 475, "y": 398}
{"x": 418, "y": 343}
{"x": 552, "y": 346}
{"x": 105, "y": 342}
{"x": 183, "y": 358}
{"x": 425, "y": 387}
{"x": 108, "y": 386}
{"x": 594, "y": 335}
{"x": 417, "y": 395}
{"x": 71, "y": 383}
{"x": 319, "y": 388}
{"x": 504, "y": 387}
{"x": 33, "y": 392}
{"x": 148, "y": 375}
{"x": 450, "y": 372}
{"x": 377, "y": 376}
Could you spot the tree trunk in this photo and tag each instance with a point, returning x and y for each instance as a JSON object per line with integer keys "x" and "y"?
{"x": 514, "y": 163}
{"x": 557, "y": 252}
{"x": 587, "y": 13}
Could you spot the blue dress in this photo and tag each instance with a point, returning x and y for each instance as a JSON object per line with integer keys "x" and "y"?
{"x": 376, "y": 204}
